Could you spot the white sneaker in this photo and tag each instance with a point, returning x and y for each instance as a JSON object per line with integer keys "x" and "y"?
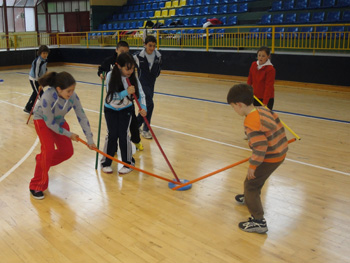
{"x": 107, "y": 170}
{"x": 146, "y": 134}
{"x": 125, "y": 170}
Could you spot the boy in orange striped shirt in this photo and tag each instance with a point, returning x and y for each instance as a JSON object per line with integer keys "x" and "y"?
{"x": 269, "y": 145}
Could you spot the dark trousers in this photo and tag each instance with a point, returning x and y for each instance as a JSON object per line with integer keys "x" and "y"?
{"x": 149, "y": 92}
{"x": 269, "y": 104}
{"x": 252, "y": 188}
{"x": 35, "y": 87}
{"x": 118, "y": 123}
{"x": 134, "y": 127}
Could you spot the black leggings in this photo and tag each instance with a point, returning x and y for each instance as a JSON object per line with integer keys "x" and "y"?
{"x": 269, "y": 104}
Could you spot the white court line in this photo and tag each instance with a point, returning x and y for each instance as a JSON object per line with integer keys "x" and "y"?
{"x": 3, "y": 177}
{"x": 242, "y": 148}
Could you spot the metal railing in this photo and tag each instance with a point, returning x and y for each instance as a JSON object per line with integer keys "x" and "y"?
{"x": 307, "y": 38}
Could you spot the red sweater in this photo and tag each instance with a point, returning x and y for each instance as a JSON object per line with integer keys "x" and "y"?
{"x": 262, "y": 81}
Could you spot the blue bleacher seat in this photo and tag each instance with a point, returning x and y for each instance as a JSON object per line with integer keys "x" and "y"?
{"x": 196, "y": 11}
{"x": 232, "y": 9}
{"x": 202, "y": 21}
{"x": 109, "y": 27}
{"x": 126, "y": 16}
{"x": 232, "y": 20}
{"x": 224, "y": 2}
{"x": 265, "y": 32}
{"x": 104, "y": 27}
{"x": 150, "y": 13}
{"x": 189, "y": 31}
{"x": 291, "y": 32}
{"x": 343, "y": 3}
{"x": 142, "y": 7}
{"x": 215, "y": 2}
{"x": 180, "y": 12}
{"x": 205, "y": 10}
{"x": 290, "y": 18}
{"x": 194, "y": 22}
{"x": 154, "y": 6}
{"x": 254, "y": 32}
{"x": 222, "y": 9}
{"x": 115, "y": 17}
{"x": 223, "y": 19}
{"x": 168, "y": 22}
{"x": 198, "y": 2}
{"x": 321, "y": 31}
{"x": 220, "y": 32}
{"x": 186, "y": 22}
{"x": 300, "y": 4}
{"x": 279, "y": 32}
{"x": 140, "y": 24}
{"x": 137, "y": 15}
{"x": 277, "y": 19}
{"x": 213, "y": 10}
{"x": 161, "y": 5}
{"x": 206, "y": 2}
{"x": 276, "y": 6}
{"x": 328, "y": 3}
{"x": 131, "y": 16}
{"x": 337, "y": 31}
{"x": 188, "y": 11}
{"x": 148, "y": 7}
{"x": 304, "y": 18}
{"x": 121, "y": 25}
{"x": 346, "y": 16}
{"x": 130, "y": 8}
{"x": 115, "y": 26}
{"x": 120, "y": 17}
{"x": 317, "y": 17}
{"x": 288, "y": 4}
{"x": 306, "y": 32}
{"x": 243, "y": 8}
{"x": 265, "y": 20}
{"x": 190, "y": 2}
{"x": 313, "y": 4}
{"x": 133, "y": 25}
{"x": 333, "y": 17}
{"x": 136, "y": 8}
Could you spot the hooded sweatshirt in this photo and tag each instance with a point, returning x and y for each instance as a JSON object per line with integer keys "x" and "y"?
{"x": 51, "y": 108}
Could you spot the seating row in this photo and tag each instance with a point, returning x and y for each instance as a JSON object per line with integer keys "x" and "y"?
{"x": 303, "y": 4}
{"x": 303, "y": 18}
{"x": 304, "y": 32}
{"x": 186, "y": 22}
{"x": 188, "y": 2}
{"x": 188, "y": 11}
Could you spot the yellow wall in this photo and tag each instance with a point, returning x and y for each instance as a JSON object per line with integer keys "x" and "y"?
{"x": 108, "y": 2}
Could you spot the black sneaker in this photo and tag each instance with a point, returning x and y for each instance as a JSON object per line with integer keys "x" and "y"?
{"x": 37, "y": 194}
{"x": 25, "y": 110}
{"x": 254, "y": 226}
{"x": 240, "y": 199}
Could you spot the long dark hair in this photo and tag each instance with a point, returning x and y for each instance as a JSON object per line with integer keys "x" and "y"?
{"x": 62, "y": 79}
{"x": 115, "y": 83}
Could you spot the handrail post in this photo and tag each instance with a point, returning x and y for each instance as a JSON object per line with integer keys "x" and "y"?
{"x": 273, "y": 40}
{"x": 207, "y": 39}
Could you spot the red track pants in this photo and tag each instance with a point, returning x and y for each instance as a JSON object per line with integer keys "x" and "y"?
{"x": 50, "y": 155}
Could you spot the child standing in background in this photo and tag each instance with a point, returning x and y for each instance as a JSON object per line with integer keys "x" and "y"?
{"x": 38, "y": 70}
{"x": 262, "y": 78}
{"x": 118, "y": 111}
{"x": 269, "y": 145}
{"x": 148, "y": 63}
{"x": 53, "y": 130}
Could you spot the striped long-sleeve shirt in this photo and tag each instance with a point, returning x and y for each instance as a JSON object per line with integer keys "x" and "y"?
{"x": 266, "y": 136}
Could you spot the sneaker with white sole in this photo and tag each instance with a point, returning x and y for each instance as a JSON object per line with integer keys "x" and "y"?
{"x": 37, "y": 194}
{"x": 254, "y": 226}
{"x": 240, "y": 199}
{"x": 107, "y": 169}
{"x": 146, "y": 134}
{"x": 125, "y": 170}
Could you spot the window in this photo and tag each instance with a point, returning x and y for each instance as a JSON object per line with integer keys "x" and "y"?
{"x": 42, "y": 23}
{"x": 19, "y": 19}
{"x": 29, "y": 15}
{"x": 51, "y": 7}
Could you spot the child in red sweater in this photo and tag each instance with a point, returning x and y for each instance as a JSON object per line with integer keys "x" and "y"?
{"x": 262, "y": 78}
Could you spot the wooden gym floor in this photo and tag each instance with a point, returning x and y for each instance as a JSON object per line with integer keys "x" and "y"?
{"x": 88, "y": 216}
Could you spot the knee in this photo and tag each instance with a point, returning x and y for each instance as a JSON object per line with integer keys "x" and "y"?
{"x": 68, "y": 153}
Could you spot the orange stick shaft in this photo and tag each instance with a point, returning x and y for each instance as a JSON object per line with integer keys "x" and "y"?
{"x": 128, "y": 165}
{"x": 220, "y": 170}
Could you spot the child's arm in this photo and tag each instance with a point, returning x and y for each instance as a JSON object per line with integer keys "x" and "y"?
{"x": 250, "y": 76}
{"x": 269, "y": 84}
{"x": 83, "y": 120}
{"x": 258, "y": 144}
{"x": 142, "y": 97}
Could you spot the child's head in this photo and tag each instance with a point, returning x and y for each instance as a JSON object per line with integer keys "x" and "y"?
{"x": 122, "y": 47}
{"x": 150, "y": 44}
{"x": 126, "y": 64}
{"x": 240, "y": 97}
{"x": 264, "y": 53}
{"x": 43, "y": 51}
{"x": 63, "y": 82}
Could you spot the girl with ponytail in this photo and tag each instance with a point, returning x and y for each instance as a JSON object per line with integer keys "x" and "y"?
{"x": 53, "y": 130}
{"x": 118, "y": 109}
